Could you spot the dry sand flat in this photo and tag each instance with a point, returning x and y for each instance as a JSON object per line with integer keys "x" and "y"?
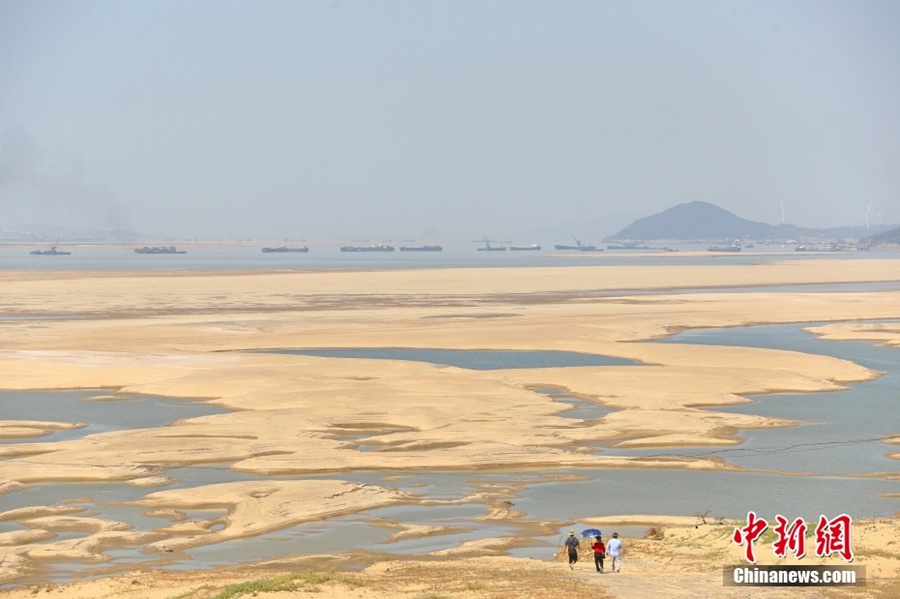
{"x": 184, "y": 334}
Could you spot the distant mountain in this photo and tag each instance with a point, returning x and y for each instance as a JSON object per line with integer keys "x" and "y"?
{"x": 705, "y": 221}
{"x": 695, "y": 220}
{"x": 889, "y": 237}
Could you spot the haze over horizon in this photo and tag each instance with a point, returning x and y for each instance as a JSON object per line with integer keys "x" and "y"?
{"x": 396, "y": 118}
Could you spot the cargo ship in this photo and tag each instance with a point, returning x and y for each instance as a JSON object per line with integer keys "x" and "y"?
{"x": 523, "y": 248}
{"x": 421, "y": 248}
{"x": 170, "y": 249}
{"x": 492, "y": 248}
{"x": 579, "y": 247}
{"x": 367, "y": 248}
{"x": 51, "y": 252}
{"x": 727, "y": 248}
{"x": 629, "y": 246}
{"x": 284, "y": 249}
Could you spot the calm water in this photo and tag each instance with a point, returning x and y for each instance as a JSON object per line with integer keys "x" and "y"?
{"x": 457, "y": 255}
{"x": 114, "y": 413}
{"x": 726, "y": 494}
{"x": 601, "y": 493}
{"x": 844, "y": 429}
{"x": 469, "y": 359}
{"x": 845, "y": 419}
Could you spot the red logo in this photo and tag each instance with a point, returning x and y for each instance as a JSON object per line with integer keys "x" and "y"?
{"x": 749, "y": 534}
{"x": 832, "y": 536}
{"x": 791, "y": 537}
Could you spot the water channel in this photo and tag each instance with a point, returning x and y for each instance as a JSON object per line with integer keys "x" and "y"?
{"x": 836, "y": 450}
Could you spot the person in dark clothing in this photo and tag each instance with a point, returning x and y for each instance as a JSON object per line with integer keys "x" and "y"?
{"x": 572, "y": 548}
{"x": 599, "y": 553}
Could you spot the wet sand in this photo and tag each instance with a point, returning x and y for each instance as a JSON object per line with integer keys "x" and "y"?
{"x": 192, "y": 334}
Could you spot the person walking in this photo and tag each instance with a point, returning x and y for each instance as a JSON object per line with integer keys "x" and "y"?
{"x": 614, "y": 551}
{"x": 599, "y": 553}
{"x": 572, "y": 549}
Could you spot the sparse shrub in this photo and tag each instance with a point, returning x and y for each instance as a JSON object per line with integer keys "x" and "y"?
{"x": 303, "y": 581}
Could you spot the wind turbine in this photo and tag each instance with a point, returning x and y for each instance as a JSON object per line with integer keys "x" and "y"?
{"x": 867, "y": 216}
{"x": 782, "y": 213}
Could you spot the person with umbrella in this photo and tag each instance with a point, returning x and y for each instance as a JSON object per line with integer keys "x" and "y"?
{"x": 597, "y": 546}
{"x": 599, "y": 553}
{"x": 572, "y": 548}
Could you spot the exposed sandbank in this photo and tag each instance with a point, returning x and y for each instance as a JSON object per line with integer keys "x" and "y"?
{"x": 187, "y": 334}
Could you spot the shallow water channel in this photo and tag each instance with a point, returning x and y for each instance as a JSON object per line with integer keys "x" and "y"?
{"x": 838, "y": 440}
{"x": 843, "y": 431}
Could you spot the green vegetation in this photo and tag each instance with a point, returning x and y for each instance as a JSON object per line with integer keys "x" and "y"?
{"x": 304, "y": 581}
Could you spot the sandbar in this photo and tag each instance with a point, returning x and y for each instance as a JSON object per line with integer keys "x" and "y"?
{"x": 201, "y": 334}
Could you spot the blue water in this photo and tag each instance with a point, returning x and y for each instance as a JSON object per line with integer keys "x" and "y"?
{"x": 581, "y": 409}
{"x": 844, "y": 430}
{"x": 470, "y": 359}
{"x": 124, "y": 412}
{"x": 726, "y": 494}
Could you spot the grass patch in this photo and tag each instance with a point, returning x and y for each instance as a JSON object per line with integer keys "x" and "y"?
{"x": 875, "y": 552}
{"x": 304, "y": 581}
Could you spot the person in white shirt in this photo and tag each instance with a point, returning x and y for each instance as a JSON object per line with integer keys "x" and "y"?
{"x": 614, "y": 552}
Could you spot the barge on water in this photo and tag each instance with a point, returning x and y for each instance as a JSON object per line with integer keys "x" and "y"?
{"x": 367, "y": 248}
{"x": 421, "y": 248}
{"x": 51, "y": 252}
{"x": 170, "y": 249}
{"x": 284, "y": 249}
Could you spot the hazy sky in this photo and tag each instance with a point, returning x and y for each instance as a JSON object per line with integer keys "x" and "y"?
{"x": 339, "y": 119}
